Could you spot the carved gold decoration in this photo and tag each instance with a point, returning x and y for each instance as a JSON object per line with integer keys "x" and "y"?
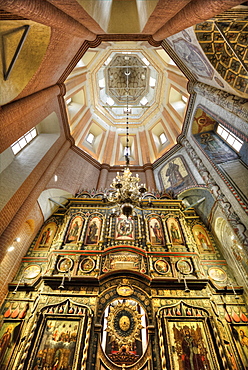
{"x": 124, "y": 324}
{"x": 124, "y": 290}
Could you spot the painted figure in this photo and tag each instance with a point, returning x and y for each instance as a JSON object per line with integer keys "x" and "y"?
{"x": 46, "y": 236}
{"x": 243, "y": 338}
{"x": 5, "y": 342}
{"x": 125, "y": 227}
{"x": 175, "y": 234}
{"x": 92, "y": 237}
{"x": 203, "y": 240}
{"x": 190, "y": 348}
{"x": 174, "y": 175}
{"x": 191, "y": 357}
{"x": 57, "y": 348}
{"x": 157, "y": 232}
{"x": 74, "y": 229}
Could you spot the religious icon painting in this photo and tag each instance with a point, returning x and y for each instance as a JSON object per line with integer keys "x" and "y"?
{"x": 184, "y": 267}
{"x": 46, "y": 236}
{"x": 217, "y": 274}
{"x": 156, "y": 231}
{"x": 174, "y": 231}
{"x": 162, "y": 266}
{"x": 240, "y": 336}
{"x": 57, "y": 346}
{"x": 65, "y": 264}
{"x": 124, "y": 229}
{"x": 74, "y": 230}
{"x": 190, "y": 345}
{"x": 87, "y": 265}
{"x": 202, "y": 240}
{"x": 31, "y": 271}
{"x": 9, "y": 338}
{"x": 93, "y": 231}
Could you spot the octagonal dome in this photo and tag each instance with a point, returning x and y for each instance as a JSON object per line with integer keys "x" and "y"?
{"x": 127, "y": 76}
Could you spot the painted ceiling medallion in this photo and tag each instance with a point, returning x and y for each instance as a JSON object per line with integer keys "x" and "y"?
{"x": 124, "y": 324}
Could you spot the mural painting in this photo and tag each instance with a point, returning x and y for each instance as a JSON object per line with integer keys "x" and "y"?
{"x": 174, "y": 231}
{"x": 93, "y": 231}
{"x": 193, "y": 58}
{"x": 210, "y": 36}
{"x": 57, "y": 346}
{"x": 202, "y": 240}
{"x": 9, "y": 335}
{"x": 202, "y": 122}
{"x": 124, "y": 228}
{"x": 46, "y": 236}
{"x": 175, "y": 176}
{"x": 74, "y": 230}
{"x": 191, "y": 346}
{"x": 156, "y": 231}
{"x": 240, "y": 335}
{"x": 215, "y": 148}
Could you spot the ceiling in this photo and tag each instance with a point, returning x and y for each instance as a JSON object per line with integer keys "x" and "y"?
{"x": 121, "y": 75}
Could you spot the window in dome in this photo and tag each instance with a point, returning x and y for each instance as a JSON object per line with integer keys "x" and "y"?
{"x": 90, "y": 138}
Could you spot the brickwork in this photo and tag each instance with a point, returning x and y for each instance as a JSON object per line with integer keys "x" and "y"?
{"x": 15, "y": 212}
{"x": 19, "y": 117}
{"x": 10, "y": 263}
{"x": 75, "y": 173}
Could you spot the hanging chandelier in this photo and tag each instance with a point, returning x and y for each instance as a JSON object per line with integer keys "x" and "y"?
{"x": 128, "y": 193}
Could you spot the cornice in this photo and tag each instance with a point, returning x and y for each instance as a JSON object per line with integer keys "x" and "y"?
{"x": 87, "y": 157}
{"x": 171, "y": 152}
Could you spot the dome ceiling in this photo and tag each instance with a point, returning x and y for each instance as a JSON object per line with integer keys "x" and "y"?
{"x": 126, "y": 77}
{"x": 109, "y": 77}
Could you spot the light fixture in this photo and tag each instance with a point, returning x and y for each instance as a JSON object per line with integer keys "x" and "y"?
{"x": 12, "y": 247}
{"x": 128, "y": 193}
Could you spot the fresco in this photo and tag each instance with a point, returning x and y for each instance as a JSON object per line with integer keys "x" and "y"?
{"x": 202, "y": 122}
{"x": 46, "y": 236}
{"x": 175, "y": 177}
{"x": 215, "y": 148}
{"x": 193, "y": 58}
{"x": 227, "y": 62}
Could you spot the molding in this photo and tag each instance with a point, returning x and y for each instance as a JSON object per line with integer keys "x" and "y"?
{"x": 173, "y": 55}
{"x": 86, "y": 156}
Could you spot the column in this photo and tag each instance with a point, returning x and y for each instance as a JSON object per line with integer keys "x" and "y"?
{"x": 102, "y": 181}
{"x": 150, "y": 181}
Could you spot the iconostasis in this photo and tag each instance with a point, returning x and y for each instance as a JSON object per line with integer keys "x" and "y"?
{"x": 98, "y": 290}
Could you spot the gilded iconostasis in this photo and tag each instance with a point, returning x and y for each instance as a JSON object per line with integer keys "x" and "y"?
{"x": 98, "y": 290}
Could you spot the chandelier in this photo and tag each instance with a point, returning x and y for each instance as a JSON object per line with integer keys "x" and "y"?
{"x": 128, "y": 193}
